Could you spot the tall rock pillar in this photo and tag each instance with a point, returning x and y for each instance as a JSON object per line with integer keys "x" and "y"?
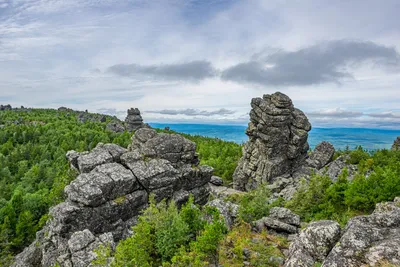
{"x": 277, "y": 143}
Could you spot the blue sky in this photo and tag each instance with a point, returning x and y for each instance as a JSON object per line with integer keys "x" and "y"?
{"x": 203, "y": 60}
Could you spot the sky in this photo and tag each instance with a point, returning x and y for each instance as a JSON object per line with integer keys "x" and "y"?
{"x": 202, "y": 61}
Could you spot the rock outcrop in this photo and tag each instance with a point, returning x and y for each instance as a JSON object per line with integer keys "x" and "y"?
{"x": 277, "y": 151}
{"x": 336, "y": 167}
{"x": 5, "y": 107}
{"x": 280, "y": 221}
{"x": 277, "y": 143}
{"x": 112, "y": 188}
{"x": 133, "y": 120}
{"x": 365, "y": 241}
{"x": 321, "y": 155}
{"x": 396, "y": 144}
{"x": 115, "y": 126}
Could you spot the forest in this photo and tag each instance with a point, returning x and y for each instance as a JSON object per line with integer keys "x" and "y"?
{"x": 34, "y": 172}
{"x": 34, "y": 169}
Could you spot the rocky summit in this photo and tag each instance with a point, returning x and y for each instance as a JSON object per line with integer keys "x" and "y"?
{"x": 113, "y": 186}
{"x": 277, "y": 143}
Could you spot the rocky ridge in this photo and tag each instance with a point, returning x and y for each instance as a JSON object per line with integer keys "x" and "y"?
{"x": 112, "y": 188}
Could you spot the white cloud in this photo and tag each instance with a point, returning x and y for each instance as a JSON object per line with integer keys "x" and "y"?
{"x": 49, "y": 49}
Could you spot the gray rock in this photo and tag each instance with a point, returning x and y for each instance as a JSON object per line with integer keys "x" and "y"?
{"x": 369, "y": 239}
{"x": 80, "y": 240}
{"x": 215, "y": 180}
{"x": 96, "y": 157}
{"x": 113, "y": 186}
{"x": 227, "y": 209}
{"x": 285, "y": 215}
{"x": 276, "y": 225}
{"x": 321, "y": 155}
{"x": 335, "y": 168}
{"x": 313, "y": 244}
{"x": 223, "y": 191}
{"x": 277, "y": 142}
{"x": 133, "y": 120}
{"x": 396, "y": 144}
{"x": 115, "y": 126}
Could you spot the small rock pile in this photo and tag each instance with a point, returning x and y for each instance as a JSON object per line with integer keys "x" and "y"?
{"x": 113, "y": 186}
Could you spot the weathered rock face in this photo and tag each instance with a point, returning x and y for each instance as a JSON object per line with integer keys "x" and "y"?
{"x": 277, "y": 143}
{"x": 396, "y": 144}
{"x": 321, "y": 155}
{"x": 336, "y": 167}
{"x": 112, "y": 188}
{"x": 133, "y": 120}
{"x": 365, "y": 241}
{"x": 227, "y": 209}
{"x": 313, "y": 244}
{"x": 115, "y": 126}
{"x": 369, "y": 240}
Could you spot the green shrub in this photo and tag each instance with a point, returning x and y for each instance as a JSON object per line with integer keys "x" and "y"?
{"x": 164, "y": 236}
{"x": 255, "y": 204}
{"x": 378, "y": 180}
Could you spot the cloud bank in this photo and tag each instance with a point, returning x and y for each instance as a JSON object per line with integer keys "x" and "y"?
{"x": 327, "y": 62}
{"x": 193, "y": 112}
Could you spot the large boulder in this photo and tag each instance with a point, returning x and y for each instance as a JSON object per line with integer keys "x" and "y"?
{"x": 321, "y": 155}
{"x": 280, "y": 220}
{"x": 111, "y": 190}
{"x": 277, "y": 143}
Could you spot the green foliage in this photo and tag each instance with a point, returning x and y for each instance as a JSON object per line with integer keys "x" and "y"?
{"x": 378, "y": 180}
{"x": 34, "y": 169}
{"x": 103, "y": 256}
{"x": 358, "y": 155}
{"x": 263, "y": 247}
{"x": 254, "y": 205}
{"x": 163, "y": 236}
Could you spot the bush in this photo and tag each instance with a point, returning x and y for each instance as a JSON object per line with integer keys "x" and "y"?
{"x": 378, "y": 180}
{"x": 168, "y": 237}
{"x": 255, "y": 204}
